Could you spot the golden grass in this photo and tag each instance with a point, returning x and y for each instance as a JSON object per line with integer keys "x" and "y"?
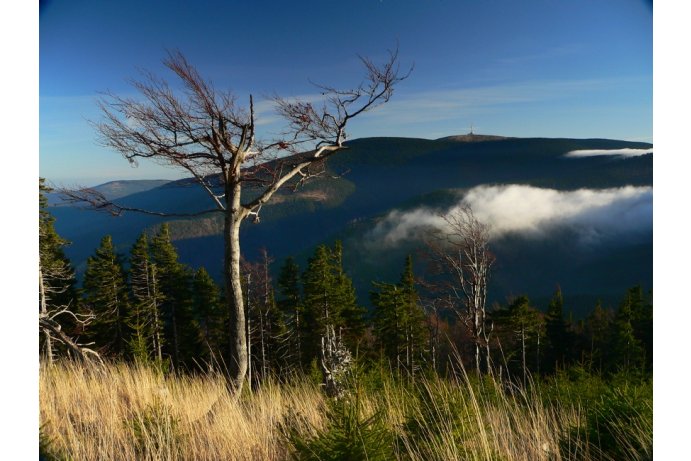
{"x": 123, "y": 412}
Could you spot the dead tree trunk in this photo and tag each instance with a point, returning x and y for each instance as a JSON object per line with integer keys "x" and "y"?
{"x": 43, "y": 312}
{"x": 208, "y": 136}
{"x": 461, "y": 250}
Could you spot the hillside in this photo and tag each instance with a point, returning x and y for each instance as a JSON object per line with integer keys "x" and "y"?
{"x": 382, "y": 175}
{"x": 114, "y": 190}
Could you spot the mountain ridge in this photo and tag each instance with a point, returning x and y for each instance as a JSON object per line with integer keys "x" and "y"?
{"x": 380, "y": 175}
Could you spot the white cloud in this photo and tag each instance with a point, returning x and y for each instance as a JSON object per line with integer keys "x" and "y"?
{"x": 616, "y": 152}
{"x": 446, "y": 104}
{"x": 593, "y": 214}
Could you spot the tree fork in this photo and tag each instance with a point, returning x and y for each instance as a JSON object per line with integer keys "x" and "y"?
{"x": 208, "y": 136}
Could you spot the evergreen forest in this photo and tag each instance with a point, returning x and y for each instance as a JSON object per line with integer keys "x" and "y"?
{"x": 420, "y": 370}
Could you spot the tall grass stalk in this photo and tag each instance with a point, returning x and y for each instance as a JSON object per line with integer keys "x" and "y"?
{"x": 121, "y": 412}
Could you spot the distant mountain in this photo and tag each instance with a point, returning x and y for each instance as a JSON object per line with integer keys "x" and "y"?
{"x": 114, "y": 190}
{"x": 117, "y": 189}
{"x": 379, "y": 176}
{"x": 472, "y": 137}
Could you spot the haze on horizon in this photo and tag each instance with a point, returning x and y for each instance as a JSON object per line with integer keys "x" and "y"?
{"x": 525, "y": 69}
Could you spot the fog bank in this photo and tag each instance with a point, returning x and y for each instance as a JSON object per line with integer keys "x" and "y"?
{"x": 593, "y": 214}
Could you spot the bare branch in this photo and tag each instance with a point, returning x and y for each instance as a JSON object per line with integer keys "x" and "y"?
{"x": 321, "y": 153}
{"x": 81, "y": 352}
{"x": 462, "y": 252}
{"x": 97, "y": 201}
{"x": 327, "y": 124}
{"x": 203, "y": 132}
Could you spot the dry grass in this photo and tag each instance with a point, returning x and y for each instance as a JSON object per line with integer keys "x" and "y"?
{"x": 126, "y": 412}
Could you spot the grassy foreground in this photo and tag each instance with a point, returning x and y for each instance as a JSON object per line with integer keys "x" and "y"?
{"x": 122, "y": 412}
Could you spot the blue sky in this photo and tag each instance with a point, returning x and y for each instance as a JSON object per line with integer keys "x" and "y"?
{"x": 548, "y": 68}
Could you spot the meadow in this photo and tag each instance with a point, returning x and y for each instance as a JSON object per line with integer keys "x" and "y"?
{"x": 122, "y": 411}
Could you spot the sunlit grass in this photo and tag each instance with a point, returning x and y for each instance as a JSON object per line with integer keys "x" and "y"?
{"x": 123, "y": 411}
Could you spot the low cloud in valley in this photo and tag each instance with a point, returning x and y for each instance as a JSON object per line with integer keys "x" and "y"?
{"x": 593, "y": 214}
{"x": 611, "y": 152}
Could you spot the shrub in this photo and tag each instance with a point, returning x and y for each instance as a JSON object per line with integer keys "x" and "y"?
{"x": 347, "y": 436}
{"x": 620, "y": 423}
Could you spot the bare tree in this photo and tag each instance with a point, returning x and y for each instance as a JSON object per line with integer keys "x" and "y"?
{"x": 208, "y": 135}
{"x": 55, "y": 279}
{"x": 462, "y": 252}
{"x": 49, "y": 284}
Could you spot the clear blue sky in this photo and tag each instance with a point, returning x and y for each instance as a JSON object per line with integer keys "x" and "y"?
{"x": 552, "y": 68}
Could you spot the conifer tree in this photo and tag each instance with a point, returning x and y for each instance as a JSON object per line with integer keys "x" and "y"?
{"x": 146, "y": 342}
{"x": 558, "y": 333}
{"x": 399, "y": 321}
{"x": 525, "y": 327}
{"x": 55, "y": 265}
{"x": 106, "y": 295}
{"x": 627, "y": 351}
{"x": 265, "y": 327}
{"x": 329, "y": 300}
{"x": 208, "y": 308}
{"x": 416, "y": 332}
{"x": 181, "y": 334}
{"x": 317, "y": 281}
{"x": 352, "y": 316}
{"x": 290, "y": 306}
{"x": 388, "y": 321}
{"x": 597, "y": 329}
{"x": 58, "y": 301}
{"x": 642, "y": 321}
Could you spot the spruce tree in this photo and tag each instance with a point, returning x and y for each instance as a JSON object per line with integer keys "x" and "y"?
{"x": 642, "y": 322}
{"x": 399, "y": 321}
{"x": 388, "y": 322}
{"x": 415, "y": 327}
{"x": 265, "y": 325}
{"x": 58, "y": 299}
{"x": 57, "y": 270}
{"x": 181, "y": 332}
{"x": 291, "y": 309}
{"x": 558, "y": 333}
{"x": 106, "y": 295}
{"x": 144, "y": 319}
{"x": 318, "y": 282}
{"x": 351, "y": 316}
{"x": 526, "y": 327}
{"x": 329, "y": 300}
{"x": 597, "y": 329}
{"x": 627, "y": 351}
{"x": 211, "y": 316}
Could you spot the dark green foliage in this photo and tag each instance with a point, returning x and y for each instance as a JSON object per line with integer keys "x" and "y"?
{"x": 348, "y": 436}
{"x": 559, "y": 337}
{"x": 520, "y": 328}
{"x": 292, "y": 311}
{"x": 627, "y": 352}
{"x": 642, "y": 322}
{"x": 266, "y": 330}
{"x": 596, "y": 340}
{"x": 181, "y": 332}
{"x": 47, "y": 451}
{"x": 329, "y": 299}
{"x": 399, "y": 323}
{"x": 107, "y": 297}
{"x": 211, "y": 316}
{"x": 57, "y": 282}
{"x": 352, "y": 316}
{"x": 317, "y": 283}
{"x": 144, "y": 318}
{"x": 156, "y": 430}
{"x": 611, "y": 421}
